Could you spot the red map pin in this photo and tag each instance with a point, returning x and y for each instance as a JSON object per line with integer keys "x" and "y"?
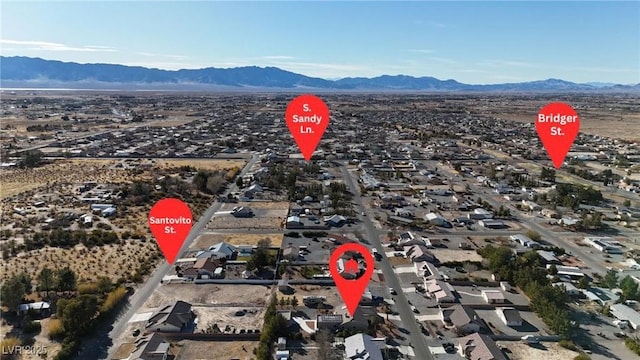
{"x": 170, "y": 222}
{"x": 345, "y": 273}
{"x": 307, "y": 118}
{"x": 557, "y": 126}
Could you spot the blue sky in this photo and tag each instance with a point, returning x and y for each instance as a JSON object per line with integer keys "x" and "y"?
{"x": 473, "y": 42}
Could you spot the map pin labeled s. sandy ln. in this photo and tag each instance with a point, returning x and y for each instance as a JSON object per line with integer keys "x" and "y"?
{"x": 557, "y": 125}
{"x": 350, "y": 280}
{"x": 307, "y": 117}
{"x": 170, "y": 222}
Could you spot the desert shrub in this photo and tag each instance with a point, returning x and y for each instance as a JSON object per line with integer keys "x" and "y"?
{"x": 582, "y": 356}
{"x": 32, "y": 327}
{"x": 568, "y": 344}
{"x": 88, "y": 288}
{"x": 55, "y": 329}
{"x": 8, "y": 346}
{"x": 113, "y": 299}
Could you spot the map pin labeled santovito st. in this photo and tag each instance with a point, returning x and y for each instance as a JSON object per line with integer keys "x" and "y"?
{"x": 170, "y": 222}
{"x": 557, "y": 125}
{"x": 346, "y": 266}
{"x": 307, "y": 117}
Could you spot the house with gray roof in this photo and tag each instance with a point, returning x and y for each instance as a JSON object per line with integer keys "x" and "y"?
{"x": 150, "y": 347}
{"x": 172, "y": 318}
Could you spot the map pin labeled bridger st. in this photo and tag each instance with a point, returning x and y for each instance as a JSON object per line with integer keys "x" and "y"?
{"x": 307, "y": 117}
{"x": 557, "y": 125}
{"x": 351, "y": 280}
{"x": 170, "y": 222}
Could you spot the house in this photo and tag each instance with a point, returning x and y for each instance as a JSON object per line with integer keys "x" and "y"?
{"x": 150, "y": 347}
{"x": 242, "y": 212}
{"x": 624, "y": 313}
{"x": 440, "y": 290}
{"x": 42, "y": 308}
{"x": 437, "y": 220}
{"x": 349, "y": 269}
{"x": 223, "y": 250}
{"x": 294, "y": 222}
{"x": 361, "y": 318}
{"x": 336, "y": 220}
{"x": 427, "y": 270}
{"x": 108, "y": 212}
{"x": 480, "y": 214}
{"x": 202, "y": 268}
{"x": 548, "y": 257}
{"x": 493, "y": 296}
{"x": 604, "y": 244}
{"x": 524, "y": 241}
{"x": 463, "y": 318}
{"x": 329, "y": 322}
{"x": 571, "y": 289}
{"x": 172, "y": 318}
{"x": 509, "y": 316}
{"x": 479, "y": 347}
{"x": 363, "y": 347}
{"x": 573, "y": 272}
{"x": 419, "y": 253}
{"x": 492, "y": 224}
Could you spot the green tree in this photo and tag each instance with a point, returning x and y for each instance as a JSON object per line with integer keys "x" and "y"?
{"x": 66, "y": 280}
{"x": 629, "y": 288}
{"x": 239, "y": 182}
{"x": 26, "y": 280}
{"x": 78, "y": 315}
{"x": 553, "y": 270}
{"x": 626, "y": 203}
{"x": 610, "y": 279}
{"x": 46, "y": 280}
{"x": 12, "y": 292}
{"x": 583, "y": 283}
{"x": 533, "y": 235}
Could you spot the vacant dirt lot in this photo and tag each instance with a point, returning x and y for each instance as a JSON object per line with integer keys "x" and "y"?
{"x": 208, "y": 294}
{"x": 217, "y": 350}
{"x": 268, "y": 215}
{"x": 114, "y": 261}
{"x": 206, "y": 164}
{"x": 447, "y": 255}
{"x": 207, "y": 239}
{"x": 207, "y": 316}
{"x": 547, "y": 351}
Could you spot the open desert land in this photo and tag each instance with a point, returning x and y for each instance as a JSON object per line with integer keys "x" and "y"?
{"x": 41, "y": 339}
{"x": 268, "y": 215}
{"x": 204, "y": 164}
{"x": 548, "y": 351}
{"x": 210, "y": 294}
{"x": 205, "y": 240}
{"x": 217, "y": 350}
{"x": 17, "y": 181}
{"x": 114, "y": 261}
{"x": 603, "y": 119}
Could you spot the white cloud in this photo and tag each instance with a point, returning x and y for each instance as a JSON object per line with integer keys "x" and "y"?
{"x": 171, "y": 56}
{"x": 52, "y": 46}
{"x": 277, "y": 57}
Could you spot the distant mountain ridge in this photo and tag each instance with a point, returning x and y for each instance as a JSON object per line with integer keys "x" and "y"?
{"x": 19, "y": 72}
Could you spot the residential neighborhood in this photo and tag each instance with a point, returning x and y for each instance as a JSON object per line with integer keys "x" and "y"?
{"x": 483, "y": 250}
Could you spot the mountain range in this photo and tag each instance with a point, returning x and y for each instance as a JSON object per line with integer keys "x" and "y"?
{"x": 27, "y": 72}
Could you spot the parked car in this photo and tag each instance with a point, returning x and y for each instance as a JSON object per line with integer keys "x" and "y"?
{"x": 393, "y": 291}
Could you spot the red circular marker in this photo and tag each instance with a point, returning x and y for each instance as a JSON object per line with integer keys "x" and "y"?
{"x": 351, "y": 290}
{"x": 557, "y": 125}
{"x": 307, "y": 117}
{"x": 170, "y": 222}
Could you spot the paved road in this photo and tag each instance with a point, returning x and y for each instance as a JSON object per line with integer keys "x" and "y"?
{"x": 552, "y": 237}
{"x": 143, "y": 293}
{"x": 408, "y": 317}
